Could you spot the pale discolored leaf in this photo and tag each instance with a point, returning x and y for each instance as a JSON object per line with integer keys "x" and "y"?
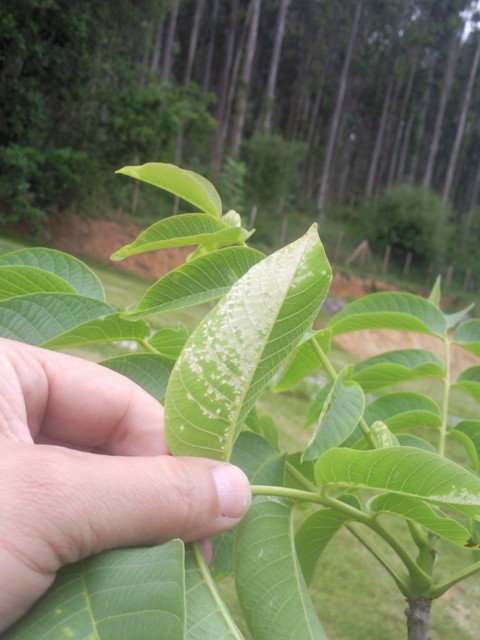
{"x": 149, "y": 370}
{"x": 182, "y": 231}
{"x": 188, "y": 185}
{"x": 404, "y": 471}
{"x": 390, "y": 310}
{"x": 339, "y": 417}
{"x": 21, "y": 280}
{"x": 304, "y": 361}
{"x": 127, "y": 593}
{"x": 108, "y": 328}
{"x": 424, "y": 514}
{"x": 395, "y": 367}
{"x": 403, "y": 410}
{"x": 201, "y": 280}
{"x": 60, "y": 264}
{"x": 235, "y": 351}
{"x": 269, "y": 581}
{"x": 467, "y": 335}
{"x": 207, "y": 614}
{"x": 39, "y": 317}
{"x": 316, "y": 531}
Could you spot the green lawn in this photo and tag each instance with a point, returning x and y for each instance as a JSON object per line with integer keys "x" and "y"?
{"x": 354, "y": 596}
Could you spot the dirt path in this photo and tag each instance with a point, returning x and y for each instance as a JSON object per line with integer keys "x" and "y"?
{"x": 98, "y": 239}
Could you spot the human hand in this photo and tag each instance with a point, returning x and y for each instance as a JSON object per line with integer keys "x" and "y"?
{"x": 62, "y": 500}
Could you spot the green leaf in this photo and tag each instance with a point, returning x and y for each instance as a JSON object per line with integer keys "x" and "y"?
{"x": 39, "y": 317}
{"x": 403, "y": 410}
{"x": 149, "y": 370}
{"x": 188, "y": 185}
{"x": 106, "y": 329}
{"x": 408, "y": 440}
{"x": 315, "y": 533}
{"x": 471, "y": 428}
{"x": 315, "y": 408}
{"x": 21, "y": 280}
{"x": 404, "y": 471}
{"x": 169, "y": 341}
{"x": 435, "y": 296}
{"x": 469, "y": 381}
{"x": 418, "y": 511}
{"x": 201, "y": 280}
{"x": 270, "y": 586}
{"x": 467, "y": 335}
{"x": 468, "y": 446}
{"x": 127, "y": 593}
{"x": 340, "y": 415}
{"x": 454, "y": 318}
{"x": 234, "y": 352}
{"x": 304, "y": 360}
{"x": 207, "y": 614}
{"x": 264, "y": 426}
{"x": 182, "y": 231}
{"x": 63, "y": 265}
{"x": 390, "y": 310}
{"x": 468, "y": 433}
{"x": 395, "y": 367}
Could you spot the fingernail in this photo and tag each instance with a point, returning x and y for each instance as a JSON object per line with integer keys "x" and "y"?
{"x": 233, "y": 489}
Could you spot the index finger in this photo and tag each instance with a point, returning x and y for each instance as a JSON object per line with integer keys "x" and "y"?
{"x": 80, "y": 404}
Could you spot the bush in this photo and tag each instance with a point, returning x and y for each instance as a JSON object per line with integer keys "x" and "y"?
{"x": 413, "y": 219}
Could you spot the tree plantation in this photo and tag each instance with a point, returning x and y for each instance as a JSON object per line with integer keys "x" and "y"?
{"x": 318, "y": 108}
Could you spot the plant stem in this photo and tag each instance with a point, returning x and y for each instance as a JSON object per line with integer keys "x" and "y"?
{"x": 309, "y": 486}
{"x": 333, "y": 375}
{"x": 445, "y": 399}
{"x": 466, "y": 572}
{"x": 418, "y": 618}
{"x": 147, "y": 346}
{"x": 400, "y": 582}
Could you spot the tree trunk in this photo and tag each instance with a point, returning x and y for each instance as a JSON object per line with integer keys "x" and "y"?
{"x": 192, "y": 48}
{"x": 266, "y": 118}
{"x": 157, "y": 47}
{"x": 452, "y": 164}
{"x": 168, "y": 53}
{"x": 418, "y": 618}
{"x": 377, "y": 150}
{"x": 402, "y": 162}
{"x": 332, "y": 135}
{"x": 447, "y": 85}
{"x": 218, "y": 140}
{"x": 401, "y": 125}
{"x": 419, "y": 142}
{"x": 211, "y": 46}
{"x": 245, "y": 77}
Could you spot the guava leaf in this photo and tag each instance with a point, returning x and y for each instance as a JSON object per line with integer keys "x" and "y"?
{"x": 63, "y": 265}
{"x": 201, "y": 280}
{"x": 454, "y": 318}
{"x": 403, "y": 410}
{"x": 395, "y": 367}
{"x": 468, "y": 433}
{"x": 109, "y": 328}
{"x": 315, "y": 533}
{"x": 304, "y": 360}
{"x": 126, "y": 593}
{"x": 390, "y": 310}
{"x": 424, "y": 514}
{"x": 149, "y": 370}
{"x": 435, "y": 296}
{"x": 270, "y": 585}
{"x": 207, "y": 614}
{"x": 20, "y": 280}
{"x": 316, "y": 406}
{"x": 404, "y": 471}
{"x": 182, "y": 231}
{"x": 409, "y": 440}
{"x": 169, "y": 341}
{"x": 235, "y": 351}
{"x": 469, "y": 382}
{"x": 39, "y": 317}
{"x": 339, "y": 417}
{"x": 188, "y": 185}
{"x": 467, "y": 335}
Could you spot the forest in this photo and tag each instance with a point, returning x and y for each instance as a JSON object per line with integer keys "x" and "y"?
{"x": 359, "y": 114}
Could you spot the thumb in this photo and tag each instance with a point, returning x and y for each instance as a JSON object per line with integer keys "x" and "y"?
{"x": 61, "y": 505}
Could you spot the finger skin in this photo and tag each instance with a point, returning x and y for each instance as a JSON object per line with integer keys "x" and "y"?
{"x": 59, "y": 506}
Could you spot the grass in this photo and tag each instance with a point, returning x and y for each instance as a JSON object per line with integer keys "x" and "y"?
{"x": 354, "y": 596}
